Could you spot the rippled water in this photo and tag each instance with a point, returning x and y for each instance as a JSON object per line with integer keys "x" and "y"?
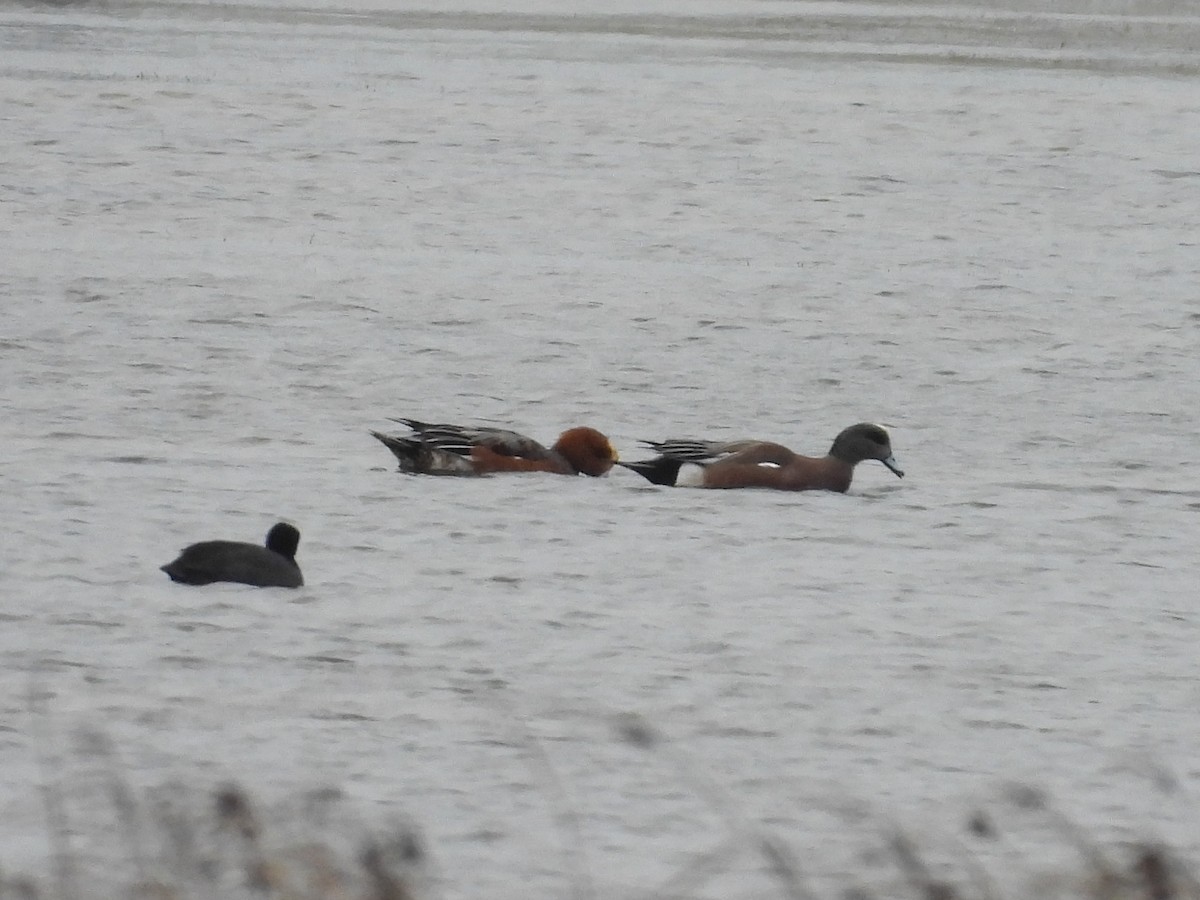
{"x": 236, "y": 237}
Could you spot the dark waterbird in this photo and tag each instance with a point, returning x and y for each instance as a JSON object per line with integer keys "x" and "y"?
{"x": 273, "y": 565}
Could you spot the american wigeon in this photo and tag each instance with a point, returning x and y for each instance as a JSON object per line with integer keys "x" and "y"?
{"x": 273, "y": 565}
{"x": 461, "y": 450}
{"x": 740, "y": 464}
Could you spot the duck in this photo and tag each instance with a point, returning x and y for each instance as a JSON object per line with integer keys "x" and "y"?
{"x": 766, "y": 464}
{"x": 445, "y": 449}
{"x": 270, "y": 565}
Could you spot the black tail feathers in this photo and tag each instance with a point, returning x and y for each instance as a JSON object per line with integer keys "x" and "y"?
{"x": 406, "y": 449}
{"x": 660, "y": 470}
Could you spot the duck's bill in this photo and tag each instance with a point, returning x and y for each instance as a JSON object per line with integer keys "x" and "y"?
{"x": 891, "y": 463}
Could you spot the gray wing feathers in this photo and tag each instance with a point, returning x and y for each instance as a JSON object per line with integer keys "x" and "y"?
{"x": 697, "y": 451}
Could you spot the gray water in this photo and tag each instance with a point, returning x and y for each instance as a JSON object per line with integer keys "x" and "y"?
{"x": 238, "y": 236}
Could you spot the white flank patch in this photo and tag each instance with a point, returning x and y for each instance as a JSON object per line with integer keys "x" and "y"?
{"x": 690, "y": 475}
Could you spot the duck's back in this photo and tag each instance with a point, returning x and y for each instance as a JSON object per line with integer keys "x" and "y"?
{"x": 211, "y": 561}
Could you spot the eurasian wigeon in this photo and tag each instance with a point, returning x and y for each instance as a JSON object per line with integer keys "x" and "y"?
{"x": 461, "y": 450}
{"x": 273, "y": 565}
{"x": 740, "y": 464}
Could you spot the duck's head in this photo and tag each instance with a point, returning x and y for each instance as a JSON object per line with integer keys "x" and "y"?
{"x": 587, "y": 450}
{"x": 865, "y": 441}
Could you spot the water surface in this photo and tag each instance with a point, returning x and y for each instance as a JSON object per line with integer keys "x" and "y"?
{"x": 238, "y": 236}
